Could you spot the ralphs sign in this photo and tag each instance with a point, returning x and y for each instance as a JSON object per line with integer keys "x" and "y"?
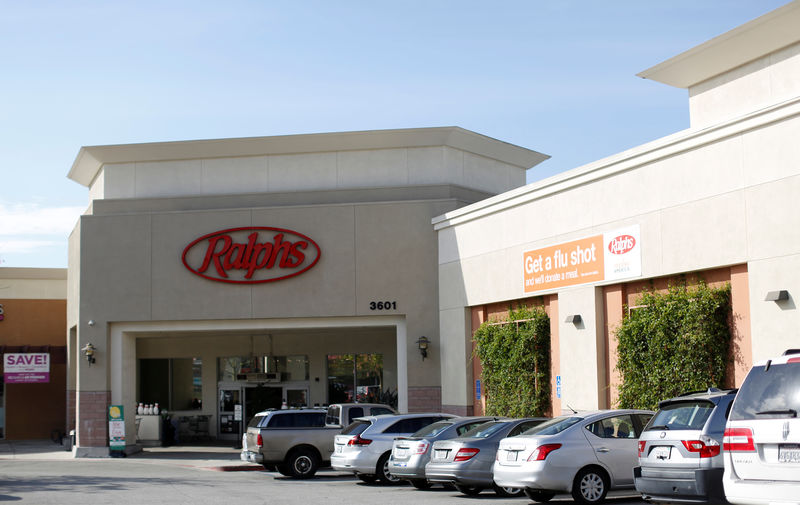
{"x": 251, "y": 255}
{"x": 621, "y": 244}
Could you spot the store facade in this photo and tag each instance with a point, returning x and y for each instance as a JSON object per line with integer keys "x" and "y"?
{"x": 296, "y": 270}
{"x": 33, "y": 349}
{"x": 715, "y": 203}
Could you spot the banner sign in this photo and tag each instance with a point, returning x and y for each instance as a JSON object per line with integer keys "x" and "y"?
{"x": 116, "y": 428}
{"x": 26, "y": 367}
{"x": 613, "y": 255}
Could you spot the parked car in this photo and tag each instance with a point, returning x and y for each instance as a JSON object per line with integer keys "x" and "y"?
{"x": 411, "y": 454}
{"x": 294, "y": 442}
{"x": 761, "y": 446}
{"x": 466, "y": 461}
{"x": 680, "y": 457}
{"x": 364, "y": 447}
{"x": 586, "y": 454}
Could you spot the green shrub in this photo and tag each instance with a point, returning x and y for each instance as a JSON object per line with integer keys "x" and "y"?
{"x": 674, "y": 342}
{"x": 516, "y": 363}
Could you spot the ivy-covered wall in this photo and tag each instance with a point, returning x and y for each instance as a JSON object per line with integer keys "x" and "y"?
{"x": 515, "y": 357}
{"x": 673, "y": 342}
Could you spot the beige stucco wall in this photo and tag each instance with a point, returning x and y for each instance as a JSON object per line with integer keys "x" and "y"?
{"x": 764, "y": 82}
{"x": 33, "y": 283}
{"x": 711, "y": 196}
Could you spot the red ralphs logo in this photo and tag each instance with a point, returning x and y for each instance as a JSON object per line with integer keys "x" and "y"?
{"x": 621, "y": 244}
{"x": 251, "y": 255}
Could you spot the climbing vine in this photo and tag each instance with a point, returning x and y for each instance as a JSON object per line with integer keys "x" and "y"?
{"x": 673, "y": 342}
{"x": 515, "y": 355}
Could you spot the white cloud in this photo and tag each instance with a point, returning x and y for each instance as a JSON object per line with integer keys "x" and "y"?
{"x": 25, "y": 246}
{"x": 33, "y": 219}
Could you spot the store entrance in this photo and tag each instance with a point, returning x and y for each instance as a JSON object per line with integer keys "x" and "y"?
{"x": 253, "y": 398}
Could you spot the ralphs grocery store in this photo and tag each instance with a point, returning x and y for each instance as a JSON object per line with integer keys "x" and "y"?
{"x": 313, "y": 269}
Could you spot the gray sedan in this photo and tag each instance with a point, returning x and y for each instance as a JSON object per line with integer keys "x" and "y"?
{"x": 467, "y": 461}
{"x": 411, "y": 454}
{"x": 585, "y": 454}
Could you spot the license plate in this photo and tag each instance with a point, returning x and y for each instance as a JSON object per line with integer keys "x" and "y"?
{"x": 661, "y": 452}
{"x": 401, "y": 453}
{"x": 511, "y": 456}
{"x": 789, "y": 453}
{"x": 440, "y": 454}
{"x": 338, "y": 448}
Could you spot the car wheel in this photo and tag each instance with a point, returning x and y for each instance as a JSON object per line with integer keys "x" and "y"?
{"x": 507, "y": 492}
{"x": 469, "y": 490}
{"x": 302, "y": 463}
{"x": 590, "y": 486}
{"x": 420, "y": 483}
{"x": 363, "y": 477}
{"x": 283, "y": 469}
{"x": 382, "y": 471}
{"x": 538, "y": 495}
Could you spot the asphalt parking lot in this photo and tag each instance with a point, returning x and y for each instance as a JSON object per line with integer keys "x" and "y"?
{"x": 201, "y": 475}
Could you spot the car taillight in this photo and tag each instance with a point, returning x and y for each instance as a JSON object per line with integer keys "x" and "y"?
{"x": 642, "y": 445}
{"x": 422, "y": 447}
{"x": 793, "y": 360}
{"x": 357, "y": 440}
{"x": 259, "y": 441}
{"x": 707, "y": 447}
{"x": 738, "y": 440}
{"x": 465, "y": 454}
{"x": 542, "y": 451}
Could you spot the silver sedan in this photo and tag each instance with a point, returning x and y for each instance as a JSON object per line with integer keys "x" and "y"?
{"x": 586, "y": 454}
{"x": 466, "y": 461}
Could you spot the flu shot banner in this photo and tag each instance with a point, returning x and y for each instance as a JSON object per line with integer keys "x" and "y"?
{"x": 613, "y": 255}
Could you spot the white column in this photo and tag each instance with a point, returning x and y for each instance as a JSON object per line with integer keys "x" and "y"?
{"x": 402, "y": 367}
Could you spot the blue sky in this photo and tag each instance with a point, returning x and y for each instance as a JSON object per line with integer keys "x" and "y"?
{"x": 555, "y": 76}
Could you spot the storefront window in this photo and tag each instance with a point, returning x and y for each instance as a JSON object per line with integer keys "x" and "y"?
{"x": 290, "y": 368}
{"x": 173, "y": 383}
{"x": 355, "y": 377}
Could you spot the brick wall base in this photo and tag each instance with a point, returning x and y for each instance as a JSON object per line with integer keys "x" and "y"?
{"x": 425, "y": 399}
{"x": 459, "y": 410}
{"x": 92, "y": 418}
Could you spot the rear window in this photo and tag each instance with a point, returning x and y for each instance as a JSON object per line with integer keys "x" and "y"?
{"x": 255, "y": 421}
{"x": 486, "y": 430}
{"x": 774, "y": 393}
{"x": 685, "y": 415}
{"x": 433, "y": 429}
{"x": 298, "y": 420}
{"x": 356, "y": 428}
{"x": 411, "y": 425}
{"x": 553, "y": 426}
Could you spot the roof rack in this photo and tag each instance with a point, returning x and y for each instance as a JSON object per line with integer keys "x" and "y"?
{"x": 708, "y": 391}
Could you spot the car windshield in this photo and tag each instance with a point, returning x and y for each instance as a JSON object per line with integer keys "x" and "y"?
{"x": 433, "y": 429}
{"x": 255, "y": 421}
{"x": 685, "y": 415}
{"x": 485, "y": 430}
{"x": 553, "y": 426}
{"x": 356, "y": 428}
{"x": 766, "y": 393}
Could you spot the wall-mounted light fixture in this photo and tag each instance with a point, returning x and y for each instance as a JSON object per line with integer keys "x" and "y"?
{"x": 88, "y": 351}
{"x": 90, "y": 322}
{"x": 777, "y": 296}
{"x": 574, "y": 319}
{"x": 422, "y": 344}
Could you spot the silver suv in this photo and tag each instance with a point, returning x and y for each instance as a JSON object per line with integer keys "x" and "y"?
{"x": 762, "y": 438}
{"x": 680, "y": 455}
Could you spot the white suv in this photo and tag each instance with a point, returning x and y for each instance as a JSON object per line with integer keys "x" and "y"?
{"x": 761, "y": 445}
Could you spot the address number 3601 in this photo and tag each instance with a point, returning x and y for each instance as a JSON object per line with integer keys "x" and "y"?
{"x": 382, "y": 305}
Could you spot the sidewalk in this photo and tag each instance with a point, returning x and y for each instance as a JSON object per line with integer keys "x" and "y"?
{"x": 212, "y": 456}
